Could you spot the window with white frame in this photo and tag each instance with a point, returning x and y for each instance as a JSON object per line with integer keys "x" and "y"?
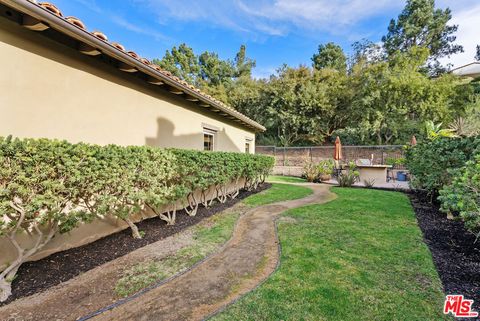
{"x": 208, "y": 139}
{"x": 247, "y": 147}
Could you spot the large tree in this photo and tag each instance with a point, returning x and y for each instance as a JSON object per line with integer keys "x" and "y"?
{"x": 302, "y": 105}
{"x": 331, "y": 56}
{"x": 421, "y": 24}
{"x": 182, "y": 62}
{"x": 243, "y": 64}
{"x": 395, "y": 96}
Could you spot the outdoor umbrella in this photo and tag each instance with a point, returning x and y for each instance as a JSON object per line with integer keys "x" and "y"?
{"x": 337, "y": 155}
{"x": 338, "y": 149}
{"x": 413, "y": 142}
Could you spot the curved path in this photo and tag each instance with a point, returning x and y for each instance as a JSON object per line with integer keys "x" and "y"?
{"x": 245, "y": 261}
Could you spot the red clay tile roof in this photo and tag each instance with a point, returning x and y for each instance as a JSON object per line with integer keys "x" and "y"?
{"x": 219, "y": 106}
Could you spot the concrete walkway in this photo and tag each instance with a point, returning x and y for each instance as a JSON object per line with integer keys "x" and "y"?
{"x": 245, "y": 261}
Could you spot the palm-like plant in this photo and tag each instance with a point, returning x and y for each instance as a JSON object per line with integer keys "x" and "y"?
{"x": 435, "y": 131}
{"x": 464, "y": 127}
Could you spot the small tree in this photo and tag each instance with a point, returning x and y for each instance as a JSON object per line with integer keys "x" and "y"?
{"x": 37, "y": 196}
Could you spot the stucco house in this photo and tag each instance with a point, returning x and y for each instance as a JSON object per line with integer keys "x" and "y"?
{"x": 59, "y": 80}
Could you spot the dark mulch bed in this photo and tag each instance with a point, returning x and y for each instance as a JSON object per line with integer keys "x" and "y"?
{"x": 455, "y": 253}
{"x": 37, "y": 276}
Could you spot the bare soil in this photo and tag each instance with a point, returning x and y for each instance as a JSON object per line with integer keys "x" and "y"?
{"x": 455, "y": 251}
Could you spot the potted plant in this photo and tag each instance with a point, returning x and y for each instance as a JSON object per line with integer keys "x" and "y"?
{"x": 325, "y": 170}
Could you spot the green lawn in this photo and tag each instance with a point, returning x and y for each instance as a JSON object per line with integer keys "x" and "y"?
{"x": 285, "y": 179}
{"x": 278, "y": 193}
{"x": 359, "y": 257}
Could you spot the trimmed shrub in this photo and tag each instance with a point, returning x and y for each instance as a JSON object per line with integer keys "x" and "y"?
{"x": 50, "y": 186}
{"x": 463, "y": 195}
{"x": 431, "y": 162}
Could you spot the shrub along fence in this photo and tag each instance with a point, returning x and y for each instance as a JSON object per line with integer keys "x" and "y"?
{"x": 449, "y": 168}
{"x": 298, "y": 156}
{"x": 49, "y": 187}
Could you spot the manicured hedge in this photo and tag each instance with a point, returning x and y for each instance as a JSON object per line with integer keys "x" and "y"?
{"x": 50, "y": 186}
{"x": 431, "y": 162}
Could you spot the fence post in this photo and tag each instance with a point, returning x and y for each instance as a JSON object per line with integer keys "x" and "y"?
{"x": 311, "y": 156}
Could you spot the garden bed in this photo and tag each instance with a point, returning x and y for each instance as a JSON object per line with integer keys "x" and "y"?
{"x": 37, "y": 276}
{"x": 454, "y": 250}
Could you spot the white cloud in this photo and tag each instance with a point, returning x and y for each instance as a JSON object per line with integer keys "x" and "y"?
{"x": 468, "y": 34}
{"x": 90, "y": 4}
{"x": 122, "y": 22}
{"x": 273, "y": 17}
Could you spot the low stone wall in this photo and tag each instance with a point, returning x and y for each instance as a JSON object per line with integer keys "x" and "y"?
{"x": 84, "y": 234}
{"x": 296, "y": 171}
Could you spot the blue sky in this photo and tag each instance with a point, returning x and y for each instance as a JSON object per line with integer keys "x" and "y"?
{"x": 275, "y": 31}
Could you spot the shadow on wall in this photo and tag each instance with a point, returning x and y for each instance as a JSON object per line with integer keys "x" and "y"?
{"x": 166, "y": 138}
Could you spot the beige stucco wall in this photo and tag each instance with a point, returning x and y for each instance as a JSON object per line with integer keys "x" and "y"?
{"x": 49, "y": 90}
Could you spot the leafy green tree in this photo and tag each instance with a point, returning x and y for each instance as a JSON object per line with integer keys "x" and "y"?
{"x": 331, "y": 56}
{"x": 181, "y": 62}
{"x": 305, "y": 106}
{"x": 393, "y": 94}
{"x": 215, "y": 71}
{"x": 243, "y": 64}
{"x": 422, "y": 25}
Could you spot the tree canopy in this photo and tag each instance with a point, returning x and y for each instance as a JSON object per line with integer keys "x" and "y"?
{"x": 330, "y": 56}
{"x": 420, "y": 24}
{"x": 380, "y": 94}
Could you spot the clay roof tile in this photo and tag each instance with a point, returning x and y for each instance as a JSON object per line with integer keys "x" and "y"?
{"x": 100, "y": 35}
{"x": 118, "y": 46}
{"x": 50, "y": 7}
{"x": 145, "y": 61}
{"x": 77, "y": 22}
{"x": 133, "y": 54}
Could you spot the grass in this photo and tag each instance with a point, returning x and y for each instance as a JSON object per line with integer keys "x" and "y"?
{"x": 208, "y": 236}
{"x": 359, "y": 257}
{"x": 285, "y": 179}
{"x": 278, "y": 193}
